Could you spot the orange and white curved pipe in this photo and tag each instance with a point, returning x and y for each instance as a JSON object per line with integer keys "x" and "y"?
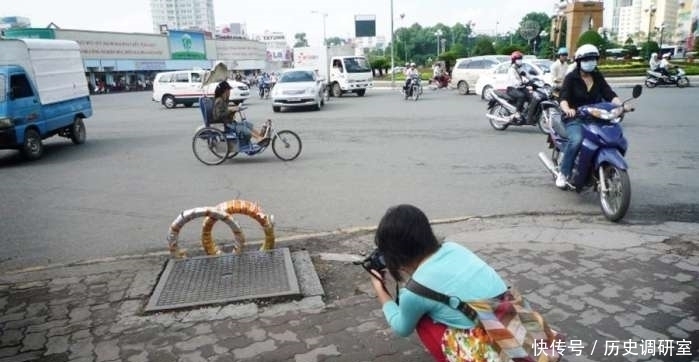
{"x": 243, "y": 207}
{"x": 209, "y": 246}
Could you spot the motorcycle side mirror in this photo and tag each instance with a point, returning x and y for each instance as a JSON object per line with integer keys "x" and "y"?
{"x": 637, "y": 90}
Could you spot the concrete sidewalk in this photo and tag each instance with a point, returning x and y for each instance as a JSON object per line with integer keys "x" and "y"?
{"x": 604, "y": 285}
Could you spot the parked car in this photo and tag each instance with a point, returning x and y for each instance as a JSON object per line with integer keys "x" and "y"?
{"x": 185, "y": 87}
{"x": 496, "y": 78}
{"x": 298, "y": 88}
{"x": 466, "y": 71}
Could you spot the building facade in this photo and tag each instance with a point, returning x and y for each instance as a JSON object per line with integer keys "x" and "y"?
{"x": 183, "y": 14}
{"x": 125, "y": 59}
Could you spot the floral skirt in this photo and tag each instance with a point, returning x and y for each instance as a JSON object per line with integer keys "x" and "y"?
{"x": 448, "y": 344}
{"x": 468, "y": 345}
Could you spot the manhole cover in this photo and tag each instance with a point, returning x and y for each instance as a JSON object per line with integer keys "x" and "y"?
{"x": 227, "y": 278}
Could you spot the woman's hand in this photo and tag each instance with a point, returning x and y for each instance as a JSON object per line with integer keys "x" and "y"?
{"x": 377, "y": 280}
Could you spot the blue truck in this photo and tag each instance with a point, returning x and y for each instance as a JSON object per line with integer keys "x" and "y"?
{"x": 43, "y": 92}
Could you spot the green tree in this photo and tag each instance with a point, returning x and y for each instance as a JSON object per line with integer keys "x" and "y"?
{"x": 301, "y": 40}
{"x": 629, "y": 41}
{"x": 483, "y": 46}
{"x": 380, "y": 64}
{"x": 335, "y": 40}
{"x": 509, "y": 49}
{"x": 591, "y": 37}
{"x": 649, "y": 48}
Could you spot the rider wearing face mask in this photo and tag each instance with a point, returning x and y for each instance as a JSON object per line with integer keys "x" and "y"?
{"x": 583, "y": 86}
{"x": 515, "y": 82}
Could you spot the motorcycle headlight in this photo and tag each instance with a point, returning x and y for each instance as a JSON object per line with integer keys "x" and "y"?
{"x": 605, "y": 114}
{"x": 6, "y": 123}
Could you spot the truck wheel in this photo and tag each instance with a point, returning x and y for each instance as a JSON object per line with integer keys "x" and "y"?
{"x": 169, "y": 102}
{"x": 361, "y": 92}
{"x": 337, "y": 91}
{"x": 276, "y": 109}
{"x": 77, "y": 131}
{"x": 32, "y": 148}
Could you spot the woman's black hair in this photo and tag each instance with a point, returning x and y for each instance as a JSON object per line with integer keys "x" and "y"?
{"x": 221, "y": 88}
{"x": 405, "y": 237}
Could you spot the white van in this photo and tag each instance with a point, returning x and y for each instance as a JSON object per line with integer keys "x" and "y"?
{"x": 184, "y": 87}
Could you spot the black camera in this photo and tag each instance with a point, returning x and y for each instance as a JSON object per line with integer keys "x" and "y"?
{"x": 374, "y": 261}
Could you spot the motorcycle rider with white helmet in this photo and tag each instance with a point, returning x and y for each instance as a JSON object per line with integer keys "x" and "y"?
{"x": 584, "y": 85}
{"x": 409, "y": 73}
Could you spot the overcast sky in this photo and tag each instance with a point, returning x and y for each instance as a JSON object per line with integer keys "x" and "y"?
{"x": 288, "y": 16}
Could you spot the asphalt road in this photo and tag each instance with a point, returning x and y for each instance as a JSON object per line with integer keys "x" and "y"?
{"x": 118, "y": 193}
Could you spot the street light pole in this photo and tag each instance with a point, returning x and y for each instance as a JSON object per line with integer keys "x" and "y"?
{"x": 393, "y": 47}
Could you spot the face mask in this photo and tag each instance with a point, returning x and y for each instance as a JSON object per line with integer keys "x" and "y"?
{"x": 588, "y": 65}
{"x": 518, "y": 62}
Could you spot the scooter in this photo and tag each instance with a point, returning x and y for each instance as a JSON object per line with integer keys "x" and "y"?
{"x": 600, "y": 164}
{"x": 654, "y": 79}
{"x": 440, "y": 82}
{"x": 501, "y": 107}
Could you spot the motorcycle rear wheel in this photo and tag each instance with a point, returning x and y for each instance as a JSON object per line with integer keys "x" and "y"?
{"x": 544, "y": 122}
{"x": 683, "y": 82}
{"x": 615, "y": 201}
{"x": 498, "y": 111}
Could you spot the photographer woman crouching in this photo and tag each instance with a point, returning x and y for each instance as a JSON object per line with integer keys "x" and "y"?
{"x": 411, "y": 250}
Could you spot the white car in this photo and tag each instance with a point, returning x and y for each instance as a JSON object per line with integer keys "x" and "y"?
{"x": 185, "y": 87}
{"x": 467, "y": 70}
{"x": 298, "y": 88}
{"x": 497, "y": 77}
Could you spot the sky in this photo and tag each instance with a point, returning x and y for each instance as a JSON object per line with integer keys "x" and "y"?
{"x": 288, "y": 16}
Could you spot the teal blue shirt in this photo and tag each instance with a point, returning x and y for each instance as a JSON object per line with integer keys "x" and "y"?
{"x": 453, "y": 270}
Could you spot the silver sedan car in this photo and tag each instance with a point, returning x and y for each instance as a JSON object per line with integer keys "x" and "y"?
{"x": 298, "y": 88}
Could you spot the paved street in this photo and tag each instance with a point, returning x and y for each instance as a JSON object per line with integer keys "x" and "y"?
{"x": 629, "y": 285}
{"x": 117, "y": 194}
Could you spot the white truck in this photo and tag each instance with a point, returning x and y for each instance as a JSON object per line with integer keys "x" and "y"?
{"x": 342, "y": 71}
{"x": 43, "y": 92}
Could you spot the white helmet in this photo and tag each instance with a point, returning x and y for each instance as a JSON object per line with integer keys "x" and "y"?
{"x": 586, "y": 51}
{"x": 412, "y": 64}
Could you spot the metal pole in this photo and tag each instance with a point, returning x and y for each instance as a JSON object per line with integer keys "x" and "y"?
{"x": 325, "y": 38}
{"x": 393, "y": 46}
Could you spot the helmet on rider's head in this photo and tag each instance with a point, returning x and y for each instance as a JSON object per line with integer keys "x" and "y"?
{"x": 516, "y": 55}
{"x": 563, "y": 51}
{"x": 412, "y": 65}
{"x": 654, "y": 55}
{"x": 586, "y": 52}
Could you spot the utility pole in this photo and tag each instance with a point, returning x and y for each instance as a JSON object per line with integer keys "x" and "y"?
{"x": 393, "y": 47}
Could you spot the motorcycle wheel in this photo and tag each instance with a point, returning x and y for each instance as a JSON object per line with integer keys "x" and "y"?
{"x": 416, "y": 93}
{"x": 683, "y": 82}
{"x": 544, "y": 122}
{"x": 650, "y": 84}
{"x": 498, "y": 111}
{"x": 615, "y": 202}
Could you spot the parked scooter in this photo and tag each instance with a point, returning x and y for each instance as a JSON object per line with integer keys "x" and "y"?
{"x": 600, "y": 163}
{"x": 501, "y": 107}
{"x": 679, "y": 79}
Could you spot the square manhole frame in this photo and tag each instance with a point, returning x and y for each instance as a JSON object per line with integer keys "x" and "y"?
{"x": 293, "y": 291}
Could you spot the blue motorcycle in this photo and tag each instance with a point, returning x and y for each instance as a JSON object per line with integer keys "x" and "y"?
{"x": 600, "y": 164}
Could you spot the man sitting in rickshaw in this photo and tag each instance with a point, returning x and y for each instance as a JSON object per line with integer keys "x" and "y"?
{"x": 222, "y": 113}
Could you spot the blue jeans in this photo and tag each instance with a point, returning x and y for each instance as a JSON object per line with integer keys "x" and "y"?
{"x": 243, "y": 129}
{"x": 574, "y": 129}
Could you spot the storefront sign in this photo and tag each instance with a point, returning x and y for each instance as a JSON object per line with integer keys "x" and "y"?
{"x": 187, "y": 45}
{"x": 30, "y": 33}
{"x": 108, "y": 45}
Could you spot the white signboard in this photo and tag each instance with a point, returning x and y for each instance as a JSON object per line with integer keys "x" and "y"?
{"x": 94, "y": 44}
{"x": 240, "y": 50}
